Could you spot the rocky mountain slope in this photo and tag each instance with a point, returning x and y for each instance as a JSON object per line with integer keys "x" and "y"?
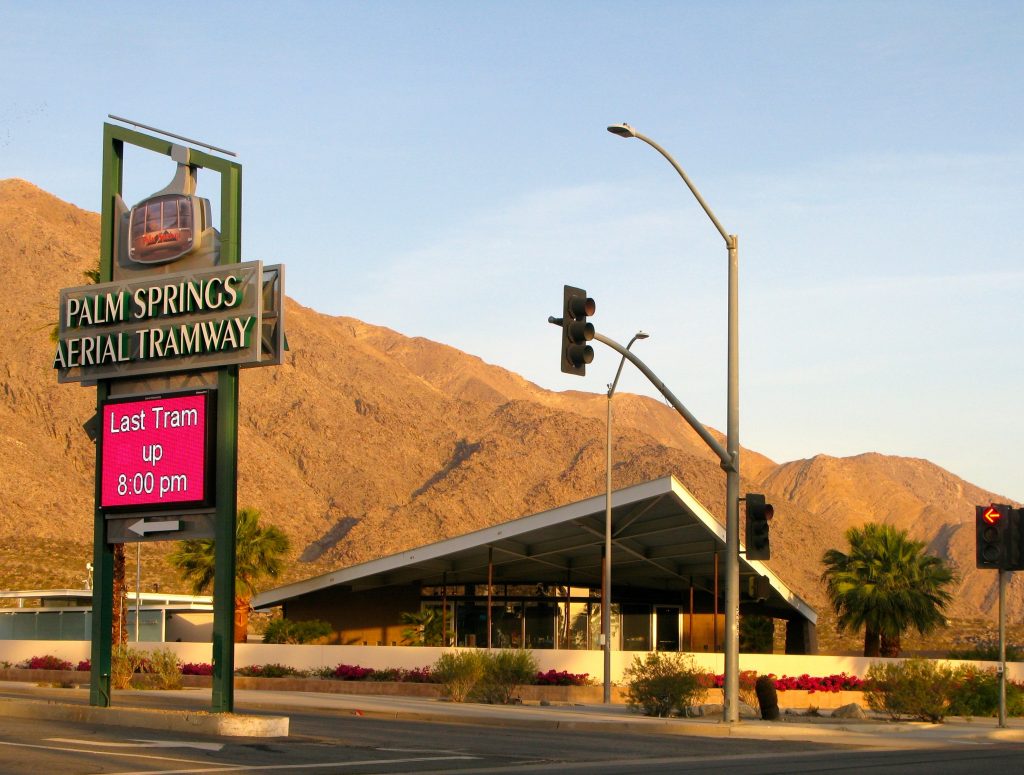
{"x": 367, "y": 442}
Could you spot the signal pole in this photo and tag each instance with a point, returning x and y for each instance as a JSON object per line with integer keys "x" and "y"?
{"x": 1003, "y": 576}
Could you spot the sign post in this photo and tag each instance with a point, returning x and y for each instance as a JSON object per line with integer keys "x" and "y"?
{"x": 162, "y": 336}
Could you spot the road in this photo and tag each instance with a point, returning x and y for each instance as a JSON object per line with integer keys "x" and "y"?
{"x": 325, "y": 742}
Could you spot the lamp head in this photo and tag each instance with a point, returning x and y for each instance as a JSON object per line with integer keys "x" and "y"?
{"x": 622, "y": 130}
{"x": 641, "y": 335}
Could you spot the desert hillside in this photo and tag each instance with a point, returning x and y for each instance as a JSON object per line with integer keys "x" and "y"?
{"x": 366, "y": 442}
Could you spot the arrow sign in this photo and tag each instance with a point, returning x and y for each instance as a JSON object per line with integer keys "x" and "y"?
{"x": 991, "y": 515}
{"x": 142, "y": 527}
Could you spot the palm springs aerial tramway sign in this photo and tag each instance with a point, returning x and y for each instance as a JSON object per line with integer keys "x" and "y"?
{"x": 162, "y": 336}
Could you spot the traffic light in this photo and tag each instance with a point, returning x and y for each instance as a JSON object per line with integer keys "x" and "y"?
{"x": 576, "y": 331}
{"x": 1014, "y": 550}
{"x": 993, "y": 535}
{"x": 759, "y": 514}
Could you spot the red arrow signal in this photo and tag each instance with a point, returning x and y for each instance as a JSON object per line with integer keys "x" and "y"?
{"x": 992, "y": 515}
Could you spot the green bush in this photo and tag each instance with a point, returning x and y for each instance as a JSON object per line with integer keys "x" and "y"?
{"x": 163, "y": 663}
{"x": 505, "y": 671}
{"x": 287, "y": 631}
{"x": 976, "y": 693}
{"x": 124, "y": 662}
{"x": 664, "y": 684}
{"x": 458, "y": 672}
{"x": 271, "y": 670}
{"x": 915, "y": 688}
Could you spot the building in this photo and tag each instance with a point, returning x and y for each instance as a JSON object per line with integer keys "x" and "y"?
{"x": 535, "y": 582}
{"x": 66, "y": 614}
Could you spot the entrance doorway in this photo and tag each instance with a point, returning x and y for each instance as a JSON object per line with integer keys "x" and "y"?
{"x": 667, "y": 628}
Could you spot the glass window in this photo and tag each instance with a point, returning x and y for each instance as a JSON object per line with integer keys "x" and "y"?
{"x": 471, "y": 625}
{"x": 25, "y": 626}
{"x": 153, "y": 216}
{"x": 72, "y": 626}
{"x": 579, "y": 626}
{"x": 170, "y": 213}
{"x": 48, "y": 625}
{"x": 507, "y": 621}
{"x": 636, "y": 627}
{"x": 540, "y": 625}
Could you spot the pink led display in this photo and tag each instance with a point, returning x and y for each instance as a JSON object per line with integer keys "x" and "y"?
{"x": 154, "y": 451}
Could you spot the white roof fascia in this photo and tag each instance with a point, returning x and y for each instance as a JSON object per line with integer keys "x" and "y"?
{"x": 482, "y": 537}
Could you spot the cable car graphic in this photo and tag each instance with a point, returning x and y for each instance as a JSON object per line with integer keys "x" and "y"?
{"x": 162, "y": 228}
{"x": 169, "y": 224}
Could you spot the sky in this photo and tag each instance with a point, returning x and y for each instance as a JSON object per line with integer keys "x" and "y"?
{"x": 443, "y": 169}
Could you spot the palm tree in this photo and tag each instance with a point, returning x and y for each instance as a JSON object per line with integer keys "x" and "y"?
{"x": 886, "y": 584}
{"x": 259, "y": 554}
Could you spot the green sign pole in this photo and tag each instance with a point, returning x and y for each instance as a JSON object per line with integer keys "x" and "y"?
{"x": 227, "y": 471}
{"x": 114, "y": 138}
{"x": 103, "y": 555}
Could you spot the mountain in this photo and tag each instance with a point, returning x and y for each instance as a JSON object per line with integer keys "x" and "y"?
{"x": 366, "y": 442}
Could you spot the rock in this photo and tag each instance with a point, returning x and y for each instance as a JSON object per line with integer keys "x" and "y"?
{"x": 853, "y": 710}
{"x": 707, "y": 709}
{"x": 748, "y": 711}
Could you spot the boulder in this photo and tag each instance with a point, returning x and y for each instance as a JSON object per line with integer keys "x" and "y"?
{"x": 853, "y": 710}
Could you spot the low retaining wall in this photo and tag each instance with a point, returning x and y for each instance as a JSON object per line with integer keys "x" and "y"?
{"x": 582, "y": 695}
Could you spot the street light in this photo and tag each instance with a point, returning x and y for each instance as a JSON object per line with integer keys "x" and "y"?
{"x": 606, "y": 582}
{"x": 731, "y": 464}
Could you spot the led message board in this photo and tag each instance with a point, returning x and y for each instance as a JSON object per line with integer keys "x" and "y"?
{"x": 157, "y": 452}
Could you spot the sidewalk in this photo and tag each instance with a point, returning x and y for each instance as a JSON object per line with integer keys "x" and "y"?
{"x": 188, "y": 710}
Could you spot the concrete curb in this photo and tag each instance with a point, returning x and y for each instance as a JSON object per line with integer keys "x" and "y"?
{"x": 223, "y": 724}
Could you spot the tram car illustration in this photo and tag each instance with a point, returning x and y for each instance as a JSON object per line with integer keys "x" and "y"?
{"x": 164, "y": 228}
{"x": 167, "y": 226}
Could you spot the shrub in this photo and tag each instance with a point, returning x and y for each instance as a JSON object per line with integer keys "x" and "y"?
{"x": 350, "y": 673}
{"x": 47, "y": 662}
{"x": 272, "y": 670}
{"x": 505, "y": 671}
{"x": 124, "y": 663}
{"x": 458, "y": 672}
{"x": 197, "y": 668}
{"x": 419, "y": 675}
{"x": 664, "y": 683}
{"x": 84, "y": 666}
{"x": 975, "y": 692}
{"x": 561, "y": 678}
{"x": 914, "y": 688}
{"x": 287, "y": 631}
{"x": 748, "y": 688}
{"x": 831, "y": 683}
{"x": 163, "y": 663}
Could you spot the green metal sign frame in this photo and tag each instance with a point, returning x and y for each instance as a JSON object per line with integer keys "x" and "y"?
{"x": 114, "y": 139}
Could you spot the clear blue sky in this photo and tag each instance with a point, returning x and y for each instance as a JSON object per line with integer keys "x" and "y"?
{"x": 443, "y": 169}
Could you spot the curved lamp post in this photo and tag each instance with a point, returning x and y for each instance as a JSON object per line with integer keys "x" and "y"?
{"x": 731, "y": 464}
{"x": 606, "y": 582}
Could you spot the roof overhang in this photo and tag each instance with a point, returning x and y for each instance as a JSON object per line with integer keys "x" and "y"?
{"x": 662, "y": 538}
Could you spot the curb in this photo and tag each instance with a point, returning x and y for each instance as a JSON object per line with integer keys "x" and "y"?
{"x": 223, "y": 724}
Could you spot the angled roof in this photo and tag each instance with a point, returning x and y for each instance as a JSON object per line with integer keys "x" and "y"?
{"x": 662, "y": 538}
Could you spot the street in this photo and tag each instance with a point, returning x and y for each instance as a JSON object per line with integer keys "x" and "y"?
{"x": 325, "y": 742}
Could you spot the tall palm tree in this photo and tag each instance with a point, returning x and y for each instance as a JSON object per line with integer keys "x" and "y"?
{"x": 259, "y": 554}
{"x": 886, "y": 584}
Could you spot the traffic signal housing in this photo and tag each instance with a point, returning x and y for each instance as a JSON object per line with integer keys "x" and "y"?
{"x": 576, "y": 331}
{"x": 759, "y": 514}
{"x": 998, "y": 534}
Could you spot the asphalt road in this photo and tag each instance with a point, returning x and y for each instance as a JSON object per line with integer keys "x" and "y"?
{"x": 324, "y": 742}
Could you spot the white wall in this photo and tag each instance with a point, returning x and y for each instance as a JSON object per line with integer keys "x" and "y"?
{"x": 379, "y": 657}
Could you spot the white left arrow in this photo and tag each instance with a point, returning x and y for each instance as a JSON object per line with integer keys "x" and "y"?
{"x": 142, "y": 526}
